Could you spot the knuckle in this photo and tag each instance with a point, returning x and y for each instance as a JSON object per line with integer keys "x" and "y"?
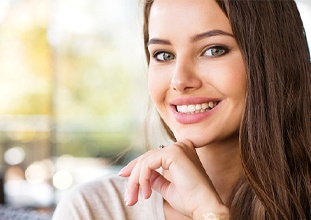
{"x": 178, "y": 149}
{"x": 140, "y": 160}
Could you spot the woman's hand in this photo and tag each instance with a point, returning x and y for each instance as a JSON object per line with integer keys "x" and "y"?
{"x": 189, "y": 190}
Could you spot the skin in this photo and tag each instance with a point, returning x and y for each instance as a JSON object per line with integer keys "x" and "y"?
{"x": 194, "y": 59}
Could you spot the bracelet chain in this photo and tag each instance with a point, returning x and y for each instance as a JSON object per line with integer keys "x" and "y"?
{"x": 213, "y": 216}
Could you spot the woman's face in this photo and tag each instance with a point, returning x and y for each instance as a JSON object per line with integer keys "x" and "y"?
{"x": 196, "y": 72}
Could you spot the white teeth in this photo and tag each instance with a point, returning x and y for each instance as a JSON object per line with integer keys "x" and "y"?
{"x": 204, "y": 106}
{"x": 192, "y": 109}
{"x": 182, "y": 108}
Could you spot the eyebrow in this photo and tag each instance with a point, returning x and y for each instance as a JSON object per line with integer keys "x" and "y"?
{"x": 211, "y": 33}
{"x": 195, "y": 38}
{"x": 158, "y": 41}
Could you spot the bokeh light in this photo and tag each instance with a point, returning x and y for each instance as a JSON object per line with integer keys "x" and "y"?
{"x": 14, "y": 156}
{"x": 35, "y": 173}
{"x": 62, "y": 179}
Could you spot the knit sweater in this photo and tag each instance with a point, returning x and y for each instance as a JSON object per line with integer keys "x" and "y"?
{"x": 103, "y": 199}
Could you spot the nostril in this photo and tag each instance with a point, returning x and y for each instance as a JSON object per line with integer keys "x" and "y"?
{"x": 183, "y": 82}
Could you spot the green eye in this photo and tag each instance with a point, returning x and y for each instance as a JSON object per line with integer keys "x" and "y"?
{"x": 215, "y": 51}
{"x": 164, "y": 56}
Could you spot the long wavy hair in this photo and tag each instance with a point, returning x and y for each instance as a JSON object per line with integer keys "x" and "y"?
{"x": 275, "y": 132}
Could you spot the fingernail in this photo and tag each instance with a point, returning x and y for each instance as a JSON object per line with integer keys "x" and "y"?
{"x": 121, "y": 171}
{"x": 126, "y": 198}
{"x": 143, "y": 194}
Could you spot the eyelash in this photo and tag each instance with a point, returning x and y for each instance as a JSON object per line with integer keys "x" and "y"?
{"x": 225, "y": 51}
{"x": 156, "y": 54}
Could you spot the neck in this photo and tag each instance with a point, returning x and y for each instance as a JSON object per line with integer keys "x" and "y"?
{"x": 223, "y": 165}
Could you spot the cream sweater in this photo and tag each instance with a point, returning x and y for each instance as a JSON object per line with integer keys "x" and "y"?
{"x": 103, "y": 199}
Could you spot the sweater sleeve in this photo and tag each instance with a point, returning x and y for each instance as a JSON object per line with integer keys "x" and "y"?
{"x": 104, "y": 199}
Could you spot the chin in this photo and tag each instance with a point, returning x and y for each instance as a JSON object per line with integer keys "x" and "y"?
{"x": 196, "y": 140}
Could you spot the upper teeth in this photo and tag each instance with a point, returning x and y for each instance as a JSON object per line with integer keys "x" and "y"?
{"x": 190, "y": 109}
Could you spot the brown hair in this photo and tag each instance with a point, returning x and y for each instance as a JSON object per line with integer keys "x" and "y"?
{"x": 275, "y": 131}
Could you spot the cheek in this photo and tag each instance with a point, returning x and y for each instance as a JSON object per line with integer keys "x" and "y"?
{"x": 238, "y": 80}
{"x": 233, "y": 81}
{"x": 157, "y": 87}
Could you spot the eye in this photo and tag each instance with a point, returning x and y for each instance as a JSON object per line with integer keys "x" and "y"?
{"x": 164, "y": 56}
{"x": 216, "y": 51}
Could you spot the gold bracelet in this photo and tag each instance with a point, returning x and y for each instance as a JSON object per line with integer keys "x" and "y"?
{"x": 213, "y": 216}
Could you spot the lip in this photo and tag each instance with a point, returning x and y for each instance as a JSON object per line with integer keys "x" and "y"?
{"x": 192, "y": 118}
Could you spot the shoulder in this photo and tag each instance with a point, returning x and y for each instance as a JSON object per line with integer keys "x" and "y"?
{"x": 97, "y": 197}
{"x": 102, "y": 187}
{"x": 104, "y": 199}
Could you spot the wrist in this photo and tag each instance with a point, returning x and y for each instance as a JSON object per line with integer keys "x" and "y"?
{"x": 221, "y": 213}
{"x": 213, "y": 216}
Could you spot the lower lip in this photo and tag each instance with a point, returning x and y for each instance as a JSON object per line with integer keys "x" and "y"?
{"x": 192, "y": 118}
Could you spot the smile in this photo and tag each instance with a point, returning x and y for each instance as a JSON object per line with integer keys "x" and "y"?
{"x": 196, "y": 108}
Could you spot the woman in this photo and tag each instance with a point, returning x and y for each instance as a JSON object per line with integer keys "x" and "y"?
{"x": 231, "y": 83}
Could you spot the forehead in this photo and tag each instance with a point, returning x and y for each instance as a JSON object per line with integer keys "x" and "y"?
{"x": 187, "y": 16}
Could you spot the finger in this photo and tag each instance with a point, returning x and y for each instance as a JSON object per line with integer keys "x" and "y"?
{"x": 132, "y": 189}
{"x": 143, "y": 171}
{"x": 134, "y": 169}
{"x": 126, "y": 171}
{"x": 159, "y": 183}
{"x": 144, "y": 180}
{"x": 155, "y": 181}
{"x": 131, "y": 195}
{"x": 148, "y": 172}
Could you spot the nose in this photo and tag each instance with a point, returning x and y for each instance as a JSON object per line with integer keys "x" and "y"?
{"x": 185, "y": 78}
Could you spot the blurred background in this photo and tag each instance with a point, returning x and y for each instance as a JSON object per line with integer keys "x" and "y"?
{"x": 73, "y": 93}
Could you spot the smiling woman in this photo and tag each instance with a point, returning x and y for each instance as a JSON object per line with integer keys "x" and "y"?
{"x": 223, "y": 80}
{"x": 196, "y": 75}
